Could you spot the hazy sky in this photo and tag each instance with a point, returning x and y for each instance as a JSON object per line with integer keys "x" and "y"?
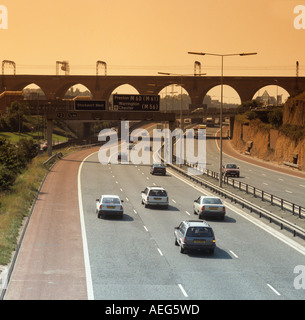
{"x": 141, "y": 37}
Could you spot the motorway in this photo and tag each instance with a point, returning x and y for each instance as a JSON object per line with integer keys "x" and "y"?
{"x": 286, "y": 186}
{"x": 135, "y": 258}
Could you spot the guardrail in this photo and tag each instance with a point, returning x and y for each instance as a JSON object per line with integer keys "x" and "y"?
{"x": 57, "y": 155}
{"x": 282, "y": 223}
{"x": 256, "y": 192}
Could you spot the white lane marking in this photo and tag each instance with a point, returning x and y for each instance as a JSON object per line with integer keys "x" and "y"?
{"x": 161, "y": 254}
{"x": 145, "y": 228}
{"x": 234, "y": 254}
{"x": 301, "y": 185}
{"x": 84, "y": 236}
{"x": 174, "y": 201}
{"x": 135, "y": 211}
{"x": 187, "y": 213}
{"x": 127, "y": 199}
{"x": 121, "y": 189}
{"x": 182, "y": 289}
{"x": 275, "y": 291}
{"x": 264, "y": 183}
{"x": 258, "y": 166}
{"x": 277, "y": 234}
{"x": 288, "y": 191}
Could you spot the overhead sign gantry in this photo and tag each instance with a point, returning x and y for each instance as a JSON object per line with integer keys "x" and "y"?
{"x": 136, "y": 102}
{"x": 129, "y": 108}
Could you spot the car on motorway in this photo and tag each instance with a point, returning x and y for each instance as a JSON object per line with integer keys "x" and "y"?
{"x": 122, "y": 156}
{"x": 230, "y": 169}
{"x": 130, "y": 146}
{"x": 154, "y": 196}
{"x": 209, "y": 207}
{"x": 109, "y": 205}
{"x": 195, "y": 235}
{"x": 158, "y": 168}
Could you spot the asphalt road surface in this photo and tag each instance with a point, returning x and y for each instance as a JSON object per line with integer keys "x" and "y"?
{"x": 135, "y": 258}
{"x": 68, "y": 253}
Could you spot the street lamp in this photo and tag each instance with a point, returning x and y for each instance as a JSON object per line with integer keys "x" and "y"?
{"x": 221, "y": 104}
{"x": 179, "y": 75}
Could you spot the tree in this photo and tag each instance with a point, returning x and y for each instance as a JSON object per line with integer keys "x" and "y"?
{"x": 15, "y": 116}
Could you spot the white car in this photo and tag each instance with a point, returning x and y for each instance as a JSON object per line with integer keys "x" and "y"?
{"x": 109, "y": 205}
{"x": 154, "y": 196}
{"x": 209, "y": 206}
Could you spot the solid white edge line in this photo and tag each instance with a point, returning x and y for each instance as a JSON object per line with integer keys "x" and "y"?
{"x": 84, "y": 236}
{"x": 277, "y": 234}
{"x": 275, "y": 171}
{"x": 182, "y": 290}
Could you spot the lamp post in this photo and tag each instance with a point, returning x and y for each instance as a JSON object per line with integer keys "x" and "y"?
{"x": 179, "y": 75}
{"x": 221, "y": 103}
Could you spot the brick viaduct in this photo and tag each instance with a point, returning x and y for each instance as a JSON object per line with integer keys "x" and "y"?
{"x": 101, "y": 87}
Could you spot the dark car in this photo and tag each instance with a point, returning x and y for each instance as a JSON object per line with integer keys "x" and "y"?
{"x": 195, "y": 235}
{"x": 230, "y": 169}
{"x": 158, "y": 168}
{"x": 122, "y": 156}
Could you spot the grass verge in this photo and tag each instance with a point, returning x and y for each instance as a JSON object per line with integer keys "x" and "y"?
{"x": 15, "y": 205}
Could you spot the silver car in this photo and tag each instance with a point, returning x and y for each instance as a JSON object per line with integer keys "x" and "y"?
{"x": 109, "y": 205}
{"x": 195, "y": 235}
{"x": 154, "y": 196}
{"x": 209, "y": 207}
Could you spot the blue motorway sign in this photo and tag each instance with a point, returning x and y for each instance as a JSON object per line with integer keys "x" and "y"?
{"x": 90, "y": 105}
{"x": 136, "y": 102}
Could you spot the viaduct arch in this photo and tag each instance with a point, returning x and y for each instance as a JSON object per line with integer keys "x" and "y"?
{"x": 101, "y": 87}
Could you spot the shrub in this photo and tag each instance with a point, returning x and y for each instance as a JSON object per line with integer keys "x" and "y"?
{"x": 275, "y": 117}
{"x": 293, "y": 132}
{"x": 13, "y": 158}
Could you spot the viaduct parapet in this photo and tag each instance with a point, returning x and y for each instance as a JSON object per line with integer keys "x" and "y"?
{"x": 101, "y": 87}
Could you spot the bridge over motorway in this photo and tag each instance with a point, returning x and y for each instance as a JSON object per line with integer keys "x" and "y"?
{"x": 101, "y": 87}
